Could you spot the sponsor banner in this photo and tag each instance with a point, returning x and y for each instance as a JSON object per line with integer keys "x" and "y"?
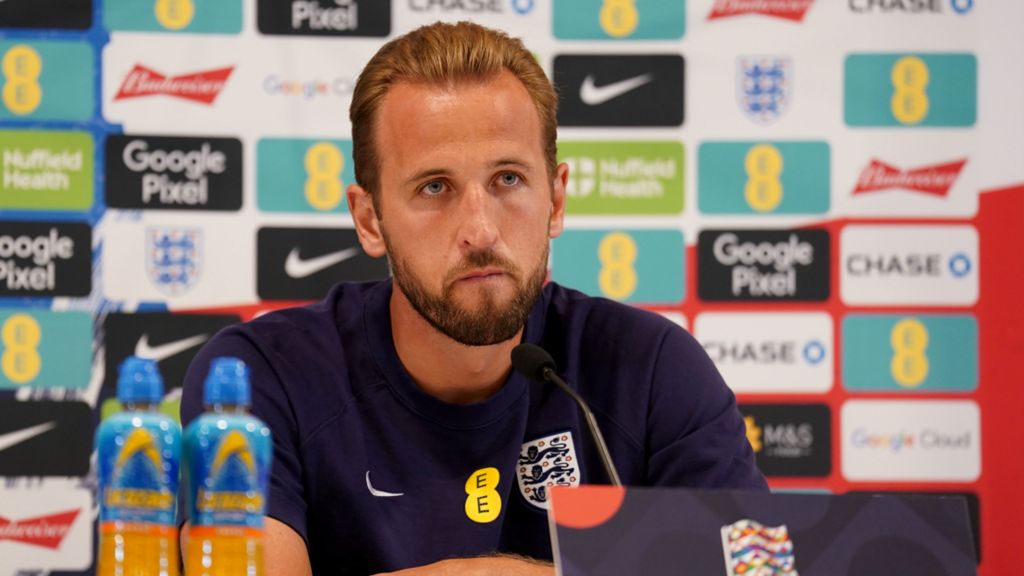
{"x": 909, "y": 265}
{"x": 46, "y": 80}
{"x": 324, "y": 17}
{"x": 303, "y": 175}
{"x": 619, "y": 89}
{"x": 764, "y": 177}
{"x": 43, "y": 438}
{"x": 911, "y": 440}
{"x": 46, "y": 528}
{"x": 790, "y": 439}
{"x": 45, "y": 258}
{"x": 172, "y": 340}
{"x": 46, "y": 170}
{"x": 619, "y": 19}
{"x": 763, "y": 265}
{"x": 304, "y": 263}
{"x": 190, "y": 16}
{"x": 623, "y": 177}
{"x": 44, "y": 349}
{"x": 635, "y": 266}
{"x": 174, "y": 173}
{"x": 65, "y": 14}
{"x": 959, "y": 7}
{"x": 183, "y": 264}
{"x": 903, "y": 352}
{"x": 792, "y": 10}
{"x": 910, "y": 90}
{"x": 769, "y": 352}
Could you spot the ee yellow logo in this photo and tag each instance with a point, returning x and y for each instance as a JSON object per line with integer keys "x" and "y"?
{"x": 763, "y": 190}
{"x": 22, "y": 66}
{"x": 483, "y": 504}
{"x": 174, "y": 14}
{"x": 910, "y": 77}
{"x": 324, "y": 162}
{"x": 619, "y": 18}
{"x": 617, "y": 253}
{"x": 909, "y": 339}
{"x": 21, "y": 336}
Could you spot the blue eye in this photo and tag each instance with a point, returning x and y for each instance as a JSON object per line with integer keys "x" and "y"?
{"x": 509, "y": 179}
{"x": 433, "y": 188}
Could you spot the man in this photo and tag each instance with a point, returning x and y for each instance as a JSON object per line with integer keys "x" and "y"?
{"x": 402, "y": 438}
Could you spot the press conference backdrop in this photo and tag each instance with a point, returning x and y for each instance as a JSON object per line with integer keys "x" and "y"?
{"x": 828, "y": 193}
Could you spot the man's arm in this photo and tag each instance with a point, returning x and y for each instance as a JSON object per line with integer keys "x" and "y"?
{"x": 284, "y": 550}
{"x": 496, "y": 565}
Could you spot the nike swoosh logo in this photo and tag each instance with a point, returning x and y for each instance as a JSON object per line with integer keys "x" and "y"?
{"x": 18, "y": 436}
{"x": 593, "y": 95}
{"x": 296, "y": 267}
{"x": 164, "y": 351}
{"x": 380, "y": 493}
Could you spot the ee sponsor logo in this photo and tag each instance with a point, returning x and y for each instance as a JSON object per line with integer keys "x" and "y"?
{"x": 324, "y": 17}
{"x": 483, "y": 502}
{"x": 46, "y": 80}
{"x": 192, "y": 16}
{"x": 763, "y": 265}
{"x": 764, "y": 177}
{"x": 45, "y": 258}
{"x": 303, "y": 175}
{"x": 44, "y": 349}
{"x": 623, "y": 177}
{"x": 46, "y": 170}
{"x": 634, "y": 266}
{"x": 910, "y": 90}
{"x": 910, "y": 6}
{"x": 790, "y": 439}
{"x": 894, "y": 352}
{"x": 619, "y": 19}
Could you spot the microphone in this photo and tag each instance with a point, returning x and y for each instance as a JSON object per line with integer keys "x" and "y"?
{"x": 536, "y": 364}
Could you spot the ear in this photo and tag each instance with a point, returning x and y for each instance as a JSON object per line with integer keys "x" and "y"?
{"x": 557, "y": 221}
{"x": 360, "y": 205}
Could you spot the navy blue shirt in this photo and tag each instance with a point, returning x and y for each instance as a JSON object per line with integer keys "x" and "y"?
{"x": 377, "y": 475}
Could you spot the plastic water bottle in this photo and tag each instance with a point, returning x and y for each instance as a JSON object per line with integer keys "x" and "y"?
{"x": 227, "y": 456}
{"x": 138, "y": 451}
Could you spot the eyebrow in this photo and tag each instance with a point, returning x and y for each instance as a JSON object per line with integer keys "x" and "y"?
{"x": 431, "y": 172}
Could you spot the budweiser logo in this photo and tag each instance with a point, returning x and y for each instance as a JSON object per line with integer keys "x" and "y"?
{"x": 45, "y": 531}
{"x": 199, "y": 87}
{"x": 787, "y": 9}
{"x": 935, "y": 180}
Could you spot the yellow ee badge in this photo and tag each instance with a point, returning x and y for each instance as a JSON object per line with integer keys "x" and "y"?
{"x": 484, "y": 503}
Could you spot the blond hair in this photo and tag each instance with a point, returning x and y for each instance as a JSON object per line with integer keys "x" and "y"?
{"x": 444, "y": 54}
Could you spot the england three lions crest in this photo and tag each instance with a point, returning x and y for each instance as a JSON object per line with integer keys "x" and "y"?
{"x": 173, "y": 258}
{"x": 545, "y": 462}
{"x": 764, "y": 87}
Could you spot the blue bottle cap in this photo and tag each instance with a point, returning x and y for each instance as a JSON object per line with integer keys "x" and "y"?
{"x": 227, "y": 383}
{"x": 139, "y": 381}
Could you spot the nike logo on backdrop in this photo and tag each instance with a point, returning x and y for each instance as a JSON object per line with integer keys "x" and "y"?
{"x": 296, "y": 267}
{"x": 593, "y": 95}
{"x": 164, "y": 351}
{"x": 18, "y": 436}
{"x": 379, "y": 493}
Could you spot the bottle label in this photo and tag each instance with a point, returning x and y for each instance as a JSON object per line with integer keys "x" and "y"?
{"x": 138, "y": 469}
{"x": 229, "y": 466}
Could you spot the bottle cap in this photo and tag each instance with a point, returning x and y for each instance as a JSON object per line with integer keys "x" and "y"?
{"x": 227, "y": 383}
{"x": 139, "y": 382}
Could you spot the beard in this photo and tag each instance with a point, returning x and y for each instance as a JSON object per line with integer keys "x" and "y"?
{"x": 491, "y": 321}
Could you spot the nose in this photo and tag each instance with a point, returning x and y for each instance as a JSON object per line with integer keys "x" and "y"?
{"x": 478, "y": 228}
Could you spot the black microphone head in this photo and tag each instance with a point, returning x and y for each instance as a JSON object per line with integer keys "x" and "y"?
{"x": 530, "y": 360}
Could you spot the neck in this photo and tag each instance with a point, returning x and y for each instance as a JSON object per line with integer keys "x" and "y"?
{"x": 442, "y": 367}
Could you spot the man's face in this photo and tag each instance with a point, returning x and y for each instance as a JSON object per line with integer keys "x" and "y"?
{"x": 467, "y": 205}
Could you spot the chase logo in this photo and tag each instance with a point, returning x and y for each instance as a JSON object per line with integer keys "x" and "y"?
{"x": 46, "y": 170}
{"x": 911, "y": 6}
{"x": 635, "y": 266}
{"x": 173, "y": 258}
{"x": 910, "y": 90}
{"x": 303, "y": 176}
{"x": 769, "y": 352}
{"x": 906, "y": 353}
{"x": 624, "y": 177}
{"x": 763, "y": 265}
{"x": 324, "y": 17}
{"x": 43, "y": 349}
{"x": 909, "y": 265}
{"x": 790, "y": 439}
{"x": 520, "y": 7}
{"x": 764, "y": 177}
{"x": 619, "y": 19}
{"x": 192, "y": 16}
{"x": 46, "y": 80}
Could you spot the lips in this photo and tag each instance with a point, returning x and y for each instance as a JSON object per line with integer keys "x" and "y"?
{"x": 485, "y": 274}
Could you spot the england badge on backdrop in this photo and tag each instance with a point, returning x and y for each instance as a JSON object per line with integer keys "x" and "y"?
{"x": 764, "y": 87}
{"x": 545, "y": 462}
{"x": 173, "y": 258}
